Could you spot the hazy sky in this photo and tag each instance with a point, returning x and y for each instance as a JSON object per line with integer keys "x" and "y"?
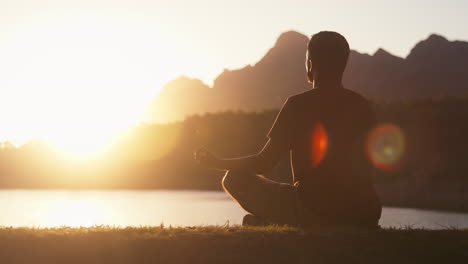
{"x": 86, "y": 69}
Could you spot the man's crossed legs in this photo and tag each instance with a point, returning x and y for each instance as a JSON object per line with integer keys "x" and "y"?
{"x": 276, "y": 203}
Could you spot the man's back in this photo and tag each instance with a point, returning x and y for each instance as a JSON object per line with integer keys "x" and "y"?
{"x": 326, "y": 131}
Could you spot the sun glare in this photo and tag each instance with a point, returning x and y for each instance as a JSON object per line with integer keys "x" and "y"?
{"x": 76, "y": 84}
{"x": 386, "y": 146}
{"x": 74, "y": 213}
{"x": 79, "y": 147}
{"x": 319, "y": 144}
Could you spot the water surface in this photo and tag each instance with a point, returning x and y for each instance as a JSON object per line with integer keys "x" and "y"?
{"x": 41, "y": 208}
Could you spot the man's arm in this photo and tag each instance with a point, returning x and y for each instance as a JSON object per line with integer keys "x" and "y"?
{"x": 258, "y": 163}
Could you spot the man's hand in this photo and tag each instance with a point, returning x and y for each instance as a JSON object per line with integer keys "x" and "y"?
{"x": 257, "y": 163}
{"x": 206, "y": 158}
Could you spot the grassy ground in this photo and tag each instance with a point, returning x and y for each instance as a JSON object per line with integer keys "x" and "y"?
{"x": 231, "y": 245}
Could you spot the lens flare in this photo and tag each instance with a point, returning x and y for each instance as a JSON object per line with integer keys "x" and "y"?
{"x": 319, "y": 144}
{"x": 385, "y": 147}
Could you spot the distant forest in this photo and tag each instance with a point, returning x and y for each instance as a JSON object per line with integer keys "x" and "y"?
{"x": 160, "y": 156}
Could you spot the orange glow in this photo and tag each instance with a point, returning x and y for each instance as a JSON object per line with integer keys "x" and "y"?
{"x": 385, "y": 147}
{"x": 319, "y": 144}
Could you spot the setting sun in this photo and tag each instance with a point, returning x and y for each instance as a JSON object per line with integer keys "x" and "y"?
{"x": 75, "y": 84}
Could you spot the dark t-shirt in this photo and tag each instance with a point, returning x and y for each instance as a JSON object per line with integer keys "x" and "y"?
{"x": 326, "y": 131}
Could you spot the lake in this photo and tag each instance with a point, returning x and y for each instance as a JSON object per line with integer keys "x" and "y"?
{"x": 46, "y": 208}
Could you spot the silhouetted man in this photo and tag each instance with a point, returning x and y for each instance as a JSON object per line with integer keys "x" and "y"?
{"x": 324, "y": 130}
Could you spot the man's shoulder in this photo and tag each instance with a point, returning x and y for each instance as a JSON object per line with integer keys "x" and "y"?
{"x": 356, "y": 98}
{"x": 301, "y": 96}
{"x": 307, "y": 96}
{"x": 360, "y": 104}
{"x": 356, "y": 95}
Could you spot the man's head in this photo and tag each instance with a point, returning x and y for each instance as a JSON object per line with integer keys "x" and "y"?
{"x": 327, "y": 55}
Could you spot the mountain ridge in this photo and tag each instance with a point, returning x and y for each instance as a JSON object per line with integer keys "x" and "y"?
{"x": 434, "y": 67}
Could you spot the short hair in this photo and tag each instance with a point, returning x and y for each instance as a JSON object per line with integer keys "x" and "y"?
{"x": 329, "y": 51}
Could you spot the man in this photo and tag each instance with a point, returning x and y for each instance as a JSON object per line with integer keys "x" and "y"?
{"x": 324, "y": 130}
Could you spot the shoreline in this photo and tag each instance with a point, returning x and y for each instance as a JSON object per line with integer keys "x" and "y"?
{"x": 440, "y": 209}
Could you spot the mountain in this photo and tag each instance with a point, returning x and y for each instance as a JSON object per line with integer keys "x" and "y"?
{"x": 371, "y": 75}
{"x": 268, "y": 83}
{"x": 435, "y": 67}
{"x": 180, "y": 97}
